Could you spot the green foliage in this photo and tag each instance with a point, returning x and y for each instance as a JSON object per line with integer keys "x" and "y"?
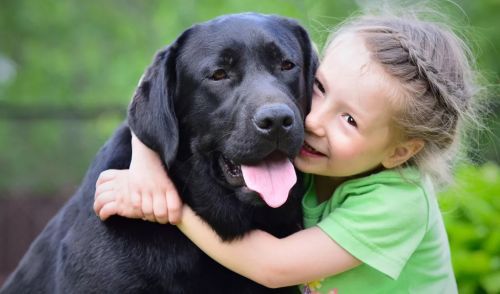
{"x": 471, "y": 210}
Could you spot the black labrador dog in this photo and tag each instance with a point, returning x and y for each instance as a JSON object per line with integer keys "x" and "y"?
{"x": 224, "y": 106}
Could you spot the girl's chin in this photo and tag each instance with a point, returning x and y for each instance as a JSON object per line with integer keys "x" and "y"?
{"x": 303, "y": 165}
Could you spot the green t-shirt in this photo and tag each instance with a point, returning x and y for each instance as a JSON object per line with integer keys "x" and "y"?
{"x": 391, "y": 222}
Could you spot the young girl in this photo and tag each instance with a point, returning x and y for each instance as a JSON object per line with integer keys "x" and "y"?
{"x": 389, "y": 105}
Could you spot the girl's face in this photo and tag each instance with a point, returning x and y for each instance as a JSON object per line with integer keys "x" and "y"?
{"x": 348, "y": 130}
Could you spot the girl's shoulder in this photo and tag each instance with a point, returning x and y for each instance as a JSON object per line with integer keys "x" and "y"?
{"x": 408, "y": 175}
{"x": 407, "y": 179}
{"x": 389, "y": 188}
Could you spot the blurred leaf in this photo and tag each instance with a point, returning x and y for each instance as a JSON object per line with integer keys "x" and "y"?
{"x": 491, "y": 282}
{"x": 472, "y": 218}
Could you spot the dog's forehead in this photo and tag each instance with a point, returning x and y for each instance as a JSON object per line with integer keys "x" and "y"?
{"x": 244, "y": 32}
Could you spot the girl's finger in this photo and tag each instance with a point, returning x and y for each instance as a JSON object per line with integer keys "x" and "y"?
{"x": 160, "y": 208}
{"x": 133, "y": 212}
{"x": 104, "y": 187}
{"x": 108, "y": 210}
{"x": 102, "y": 199}
{"x": 106, "y": 176}
{"x": 147, "y": 207}
{"x": 136, "y": 201}
{"x": 174, "y": 206}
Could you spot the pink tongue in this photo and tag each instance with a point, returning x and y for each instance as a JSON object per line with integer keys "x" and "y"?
{"x": 272, "y": 179}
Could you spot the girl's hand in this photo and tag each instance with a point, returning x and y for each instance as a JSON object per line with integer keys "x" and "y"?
{"x": 112, "y": 196}
{"x": 136, "y": 194}
{"x": 144, "y": 191}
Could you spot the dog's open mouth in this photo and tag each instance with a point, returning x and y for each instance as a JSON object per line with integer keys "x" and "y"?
{"x": 232, "y": 171}
{"x": 272, "y": 177}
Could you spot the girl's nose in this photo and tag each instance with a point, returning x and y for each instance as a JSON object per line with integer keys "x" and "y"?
{"x": 314, "y": 123}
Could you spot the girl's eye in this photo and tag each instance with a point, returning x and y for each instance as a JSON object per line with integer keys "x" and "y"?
{"x": 349, "y": 119}
{"x": 219, "y": 74}
{"x": 319, "y": 85}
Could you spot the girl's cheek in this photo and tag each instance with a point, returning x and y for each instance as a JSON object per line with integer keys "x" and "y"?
{"x": 314, "y": 101}
{"x": 349, "y": 152}
{"x": 342, "y": 142}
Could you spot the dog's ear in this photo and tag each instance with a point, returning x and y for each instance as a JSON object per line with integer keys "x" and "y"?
{"x": 310, "y": 56}
{"x": 311, "y": 63}
{"x": 151, "y": 114}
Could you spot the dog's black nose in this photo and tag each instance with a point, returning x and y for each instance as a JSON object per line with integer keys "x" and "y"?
{"x": 273, "y": 119}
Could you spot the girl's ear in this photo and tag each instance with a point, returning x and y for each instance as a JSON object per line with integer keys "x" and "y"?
{"x": 402, "y": 152}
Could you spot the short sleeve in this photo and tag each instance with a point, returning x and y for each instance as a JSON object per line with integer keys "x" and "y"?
{"x": 380, "y": 224}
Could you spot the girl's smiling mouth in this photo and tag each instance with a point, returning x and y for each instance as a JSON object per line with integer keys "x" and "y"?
{"x": 308, "y": 150}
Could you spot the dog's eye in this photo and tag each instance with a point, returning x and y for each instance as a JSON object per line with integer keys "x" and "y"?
{"x": 219, "y": 74}
{"x": 287, "y": 65}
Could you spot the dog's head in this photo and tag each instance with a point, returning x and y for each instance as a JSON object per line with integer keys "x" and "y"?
{"x": 233, "y": 92}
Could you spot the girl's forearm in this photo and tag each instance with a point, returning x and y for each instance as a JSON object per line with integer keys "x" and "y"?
{"x": 241, "y": 256}
{"x": 142, "y": 154}
{"x": 299, "y": 258}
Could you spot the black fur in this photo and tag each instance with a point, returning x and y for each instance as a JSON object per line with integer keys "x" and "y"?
{"x": 190, "y": 120}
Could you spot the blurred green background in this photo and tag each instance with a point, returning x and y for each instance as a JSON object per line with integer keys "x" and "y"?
{"x": 68, "y": 70}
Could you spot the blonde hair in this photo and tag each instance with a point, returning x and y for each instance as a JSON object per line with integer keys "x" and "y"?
{"x": 434, "y": 68}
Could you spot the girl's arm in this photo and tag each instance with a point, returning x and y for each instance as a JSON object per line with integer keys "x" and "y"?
{"x": 305, "y": 256}
{"x": 144, "y": 191}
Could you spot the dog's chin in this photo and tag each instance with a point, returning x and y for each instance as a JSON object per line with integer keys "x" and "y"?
{"x": 232, "y": 177}
{"x": 250, "y": 197}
